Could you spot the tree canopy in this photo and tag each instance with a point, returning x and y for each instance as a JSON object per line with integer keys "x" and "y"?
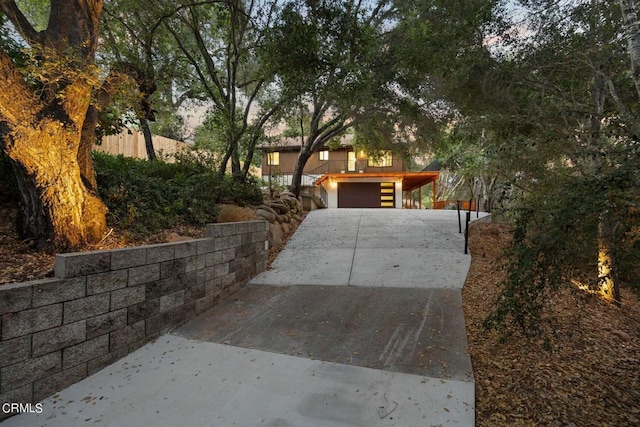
{"x": 535, "y": 107}
{"x": 562, "y": 107}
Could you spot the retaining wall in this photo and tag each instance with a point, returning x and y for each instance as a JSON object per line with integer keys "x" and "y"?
{"x": 104, "y": 305}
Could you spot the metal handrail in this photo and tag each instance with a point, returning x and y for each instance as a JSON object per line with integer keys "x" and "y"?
{"x": 467, "y": 221}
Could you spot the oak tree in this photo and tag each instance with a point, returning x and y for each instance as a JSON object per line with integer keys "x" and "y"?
{"x": 43, "y": 110}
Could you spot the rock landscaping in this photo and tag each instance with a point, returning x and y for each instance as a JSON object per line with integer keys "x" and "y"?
{"x": 283, "y": 214}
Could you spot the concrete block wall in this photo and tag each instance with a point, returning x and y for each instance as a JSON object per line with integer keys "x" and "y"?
{"x": 102, "y": 305}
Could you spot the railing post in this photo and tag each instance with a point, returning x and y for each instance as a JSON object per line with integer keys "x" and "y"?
{"x": 466, "y": 233}
{"x": 459, "y": 220}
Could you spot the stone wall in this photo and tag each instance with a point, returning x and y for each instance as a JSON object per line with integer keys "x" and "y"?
{"x": 103, "y": 305}
{"x": 284, "y": 214}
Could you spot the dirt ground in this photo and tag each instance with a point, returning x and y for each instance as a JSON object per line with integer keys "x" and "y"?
{"x": 19, "y": 263}
{"x": 589, "y": 375}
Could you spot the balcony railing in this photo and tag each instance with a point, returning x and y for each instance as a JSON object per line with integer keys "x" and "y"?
{"x": 339, "y": 166}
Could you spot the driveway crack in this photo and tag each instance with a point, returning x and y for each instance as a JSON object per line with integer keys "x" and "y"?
{"x": 353, "y": 257}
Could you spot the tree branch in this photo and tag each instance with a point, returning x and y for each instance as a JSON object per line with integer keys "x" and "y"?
{"x": 21, "y": 23}
{"x": 632, "y": 34}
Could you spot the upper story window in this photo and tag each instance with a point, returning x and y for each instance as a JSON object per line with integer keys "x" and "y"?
{"x": 351, "y": 161}
{"x": 323, "y": 155}
{"x": 382, "y": 160}
{"x": 273, "y": 158}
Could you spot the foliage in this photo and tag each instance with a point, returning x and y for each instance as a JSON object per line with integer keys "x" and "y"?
{"x": 37, "y": 11}
{"x": 145, "y": 197}
{"x": 332, "y": 60}
{"x": 553, "y": 242}
{"x": 134, "y": 39}
{"x": 548, "y": 109}
{"x": 556, "y": 243}
{"x": 219, "y": 43}
{"x": 10, "y": 43}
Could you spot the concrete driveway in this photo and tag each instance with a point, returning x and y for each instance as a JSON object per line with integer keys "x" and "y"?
{"x": 359, "y": 323}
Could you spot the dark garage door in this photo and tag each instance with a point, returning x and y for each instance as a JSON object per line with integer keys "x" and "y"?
{"x": 366, "y": 194}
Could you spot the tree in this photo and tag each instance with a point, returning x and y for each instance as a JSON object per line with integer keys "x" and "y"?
{"x": 137, "y": 43}
{"x": 465, "y": 148}
{"x": 331, "y": 62}
{"x": 220, "y": 41}
{"x": 43, "y": 110}
{"x": 568, "y": 103}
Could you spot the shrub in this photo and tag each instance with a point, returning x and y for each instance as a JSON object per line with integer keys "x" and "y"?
{"x": 244, "y": 193}
{"x": 144, "y": 197}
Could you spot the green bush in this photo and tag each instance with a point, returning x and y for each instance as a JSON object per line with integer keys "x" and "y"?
{"x": 145, "y": 197}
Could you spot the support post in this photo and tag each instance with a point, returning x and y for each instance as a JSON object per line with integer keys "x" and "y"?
{"x": 434, "y": 194}
{"x": 466, "y": 233}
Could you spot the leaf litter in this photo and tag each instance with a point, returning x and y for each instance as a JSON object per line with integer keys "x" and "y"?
{"x": 583, "y": 371}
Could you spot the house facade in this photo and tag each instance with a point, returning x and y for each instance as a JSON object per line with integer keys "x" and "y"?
{"x": 347, "y": 178}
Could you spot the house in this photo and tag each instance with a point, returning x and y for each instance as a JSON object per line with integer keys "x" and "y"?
{"x": 346, "y": 178}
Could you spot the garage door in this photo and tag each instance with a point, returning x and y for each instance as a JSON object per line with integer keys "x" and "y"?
{"x": 366, "y": 195}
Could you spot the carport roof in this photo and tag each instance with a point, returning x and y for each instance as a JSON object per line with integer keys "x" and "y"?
{"x": 410, "y": 180}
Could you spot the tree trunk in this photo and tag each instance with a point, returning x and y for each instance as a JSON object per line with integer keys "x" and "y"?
{"x": 87, "y": 140}
{"x": 608, "y": 281}
{"x": 57, "y": 210}
{"x": 44, "y": 123}
{"x": 487, "y": 191}
{"x": 148, "y": 140}
{"x": 247, "y": 161}
{"x": 632, "y": 34}
{"x": 296, "y": 179}
{"x": 222, "y": 170}
{"x": 236, "y": 169}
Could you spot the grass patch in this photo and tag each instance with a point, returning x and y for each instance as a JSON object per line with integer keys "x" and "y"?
{"x": 233, "y": 213}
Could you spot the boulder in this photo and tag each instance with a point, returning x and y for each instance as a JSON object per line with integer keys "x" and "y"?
{"x": 281, "y": 208}
{"x": 285, "y": 228}
{"x": 289, "y": 201}
{"x": 275, "y": 236}
{"x": 266, "y": 208}
{"x": 266, "y": 215}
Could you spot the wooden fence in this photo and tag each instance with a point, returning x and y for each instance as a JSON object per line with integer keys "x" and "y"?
{"x": 130, "y": 143}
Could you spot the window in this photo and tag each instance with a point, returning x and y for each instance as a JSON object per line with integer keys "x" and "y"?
{"x": 351, "y": 161}
{"x": 273, "y": 159}
{"x": 382, "y": 160}
{"x": 323, "y": 155}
